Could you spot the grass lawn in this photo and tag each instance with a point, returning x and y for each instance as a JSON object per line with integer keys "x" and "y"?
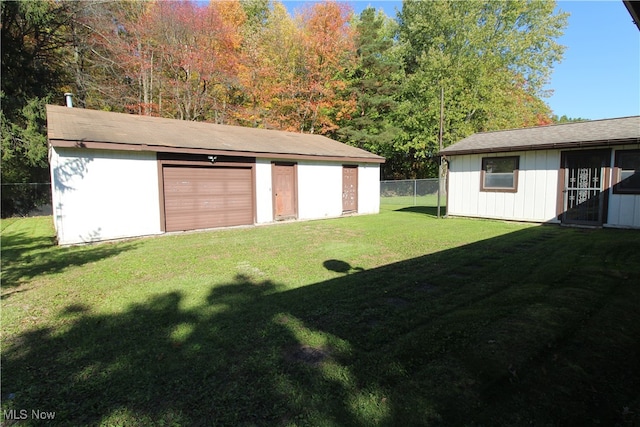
{"x": 390, "y": 319}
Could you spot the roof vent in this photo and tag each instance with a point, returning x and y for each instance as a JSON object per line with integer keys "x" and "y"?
{"x": 68, "y": 97}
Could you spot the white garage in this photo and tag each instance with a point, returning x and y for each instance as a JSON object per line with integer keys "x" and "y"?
{"x": 118, "y": 175}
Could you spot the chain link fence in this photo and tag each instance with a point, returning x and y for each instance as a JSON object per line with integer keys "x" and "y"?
{"x": 28, "y": 199}
{"x": 34, "y": 199}
{"x": 412, "y": 192}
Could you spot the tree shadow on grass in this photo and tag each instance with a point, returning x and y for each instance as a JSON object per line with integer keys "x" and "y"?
{"x": 426, "y": 210}
{"x": 499, "y": 332}
{"x": 25, "y": 256}
{"x": 339, "y": 266}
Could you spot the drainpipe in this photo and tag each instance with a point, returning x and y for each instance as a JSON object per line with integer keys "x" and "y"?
{"x": 68, "y": 97}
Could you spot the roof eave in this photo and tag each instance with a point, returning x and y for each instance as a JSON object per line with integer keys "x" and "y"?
{"x": 537, "y": 147}
{"x": 633, "y": 7}
{"x": 97, "y": 145}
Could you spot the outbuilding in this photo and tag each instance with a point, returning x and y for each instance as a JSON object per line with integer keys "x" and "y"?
{"x": 117, "y": 175}
{"x": 585, "y": 173}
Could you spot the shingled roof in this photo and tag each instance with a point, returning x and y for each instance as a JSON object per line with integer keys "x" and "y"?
{"x": 569, "y": 135}
{"x": 77, "y": 127}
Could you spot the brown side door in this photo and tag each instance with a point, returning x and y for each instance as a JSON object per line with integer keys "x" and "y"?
{"x": 349, "y": 189}
{"x": 285, "y": 200}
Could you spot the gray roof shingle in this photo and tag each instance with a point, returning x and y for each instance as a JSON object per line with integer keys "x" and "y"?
{"x": 582, "y": 134}
{"x": 83, "y": 127}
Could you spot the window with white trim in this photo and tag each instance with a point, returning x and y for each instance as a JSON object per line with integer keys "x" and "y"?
{"x": 500, "y": 174}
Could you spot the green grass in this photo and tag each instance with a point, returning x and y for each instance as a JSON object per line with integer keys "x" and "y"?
{"x": 418, "y": 200}
{"x": 390, "y": 319}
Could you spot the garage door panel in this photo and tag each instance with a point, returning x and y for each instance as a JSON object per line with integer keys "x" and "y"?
{"x": 198, "y": 197}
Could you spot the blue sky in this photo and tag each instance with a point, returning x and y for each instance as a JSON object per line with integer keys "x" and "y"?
{"x": 599, "y": 76}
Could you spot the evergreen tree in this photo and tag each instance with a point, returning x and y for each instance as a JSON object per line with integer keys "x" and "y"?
{"x": 374, "y": 82}
{"x": 33, "y": 72}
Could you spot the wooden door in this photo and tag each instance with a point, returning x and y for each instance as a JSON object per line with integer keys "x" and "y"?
{"x": 585, "y": 186}
{"x": 349, "y": 189}
{"x": 284, "y": 191}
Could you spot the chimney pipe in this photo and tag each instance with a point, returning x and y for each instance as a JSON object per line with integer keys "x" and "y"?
{"x": 69, "y": 99}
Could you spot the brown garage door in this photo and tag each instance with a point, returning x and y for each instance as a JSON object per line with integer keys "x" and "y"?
{"x": 207, "y": 197}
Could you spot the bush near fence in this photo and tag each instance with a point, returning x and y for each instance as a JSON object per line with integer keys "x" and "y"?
{"x": 26, "y": 199}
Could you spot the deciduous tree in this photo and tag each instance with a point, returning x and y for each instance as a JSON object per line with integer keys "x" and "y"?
{"x": 492, "y": 59}
{"x": 327, "y": 42}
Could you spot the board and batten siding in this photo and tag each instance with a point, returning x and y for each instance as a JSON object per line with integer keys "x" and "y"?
{"x": 319, "y": 188}
{"x": 103, "y": 195}
{"x": 535, "y": 198}
{"x": 624, "y": 209}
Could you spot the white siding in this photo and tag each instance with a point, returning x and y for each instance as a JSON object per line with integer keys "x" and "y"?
{"x": 319, "y": 190}
{"x": 534, "y": 200}
{"x": 264, "y": 197}
{"x": 624, "y": 209}
{"x": 368, "y": 189}
{"x": 101, "y": 195}
{"x": 536, "y": 197}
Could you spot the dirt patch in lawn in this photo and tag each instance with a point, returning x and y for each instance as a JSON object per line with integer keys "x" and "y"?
{"x": 307, "y": 355}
